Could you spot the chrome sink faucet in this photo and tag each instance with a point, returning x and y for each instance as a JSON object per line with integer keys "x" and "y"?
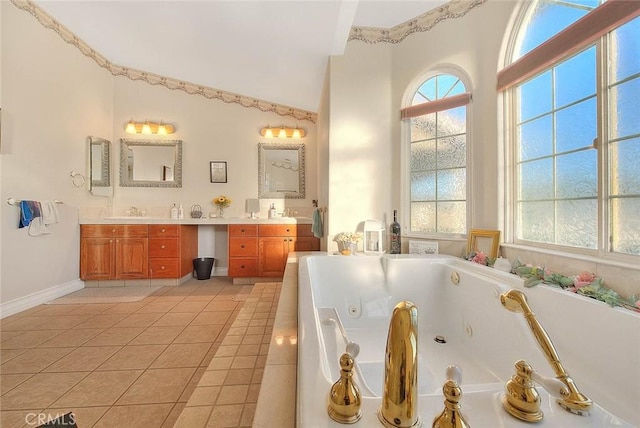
{"x": 134, "y": 212}
{"x": 399, "y": 408}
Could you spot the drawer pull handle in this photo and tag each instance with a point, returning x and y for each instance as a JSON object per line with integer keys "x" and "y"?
{"x": 113, "y": 231}
{"x": 162, "y": 246}
{"x": 242, "y": 246}
{"x": 242, "y": 230}
{"x": 242, "y": 267}
{"x": 162, "y": 268}
{"x": 162, "y": 230}
{"x": 288, "y": 230}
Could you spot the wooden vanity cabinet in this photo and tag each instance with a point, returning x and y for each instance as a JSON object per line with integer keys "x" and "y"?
{"x": 172, "y": 248}
{"x": 113, "y": 251}
{"x": 243, "y": 250}
{"x": 275, "y": 241}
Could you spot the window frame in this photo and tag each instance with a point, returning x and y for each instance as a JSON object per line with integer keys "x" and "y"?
{"x": 508, "y": 103}
{"x": 405, "y": 154}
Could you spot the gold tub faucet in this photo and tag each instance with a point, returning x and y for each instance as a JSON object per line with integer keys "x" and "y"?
{"x": 399, "y": 408}
{"x": 572, "y": 399}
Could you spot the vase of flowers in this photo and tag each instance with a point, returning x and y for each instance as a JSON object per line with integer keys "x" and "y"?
{"x": 222, "y": 202}
{"x": 347, "y": 242}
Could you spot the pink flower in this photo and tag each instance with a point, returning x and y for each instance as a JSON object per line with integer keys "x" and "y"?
{"x": 480, "y": 258}
{"x": 585, "y": 278}
{"x": 638, "y": 304}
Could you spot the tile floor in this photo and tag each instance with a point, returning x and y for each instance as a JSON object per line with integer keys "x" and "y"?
{"x": 134, "y": 364}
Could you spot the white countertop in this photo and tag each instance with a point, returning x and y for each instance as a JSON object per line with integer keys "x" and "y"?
{"x": 196, "y": 221}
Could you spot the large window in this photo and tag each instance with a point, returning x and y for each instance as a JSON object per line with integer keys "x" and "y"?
{"x": 438, "y": 156}
{"x": 576, "y": 144}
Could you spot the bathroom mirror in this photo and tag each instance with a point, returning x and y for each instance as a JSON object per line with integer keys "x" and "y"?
{"x": 281, "y": 171}
{"x": 149, "y": 163}
{"x": 99, "y": 166}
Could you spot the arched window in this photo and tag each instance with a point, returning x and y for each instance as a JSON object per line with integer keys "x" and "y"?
{"x": 437, "y": 170}
{"x": 574, "y": 91}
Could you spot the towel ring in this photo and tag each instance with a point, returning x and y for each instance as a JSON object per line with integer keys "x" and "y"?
{"x": 77, "y": 179}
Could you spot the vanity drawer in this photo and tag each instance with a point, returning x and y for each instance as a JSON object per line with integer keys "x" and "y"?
{"x": 278, "y": 229}
{"x": 163, "y": 247}
{"x": 158, "y": 230}
{"x": 114, "y": 230}
{"x": 164, "y": 268}
{"x": 243, "y": 230}
{"x": 243, "y": 267}
{"x": 243, "y": 247}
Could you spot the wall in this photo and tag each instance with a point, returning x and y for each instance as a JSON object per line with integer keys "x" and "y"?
{"x": 53, "y": 97}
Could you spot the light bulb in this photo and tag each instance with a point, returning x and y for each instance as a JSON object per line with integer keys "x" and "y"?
{"x": 146, "y": 129}
{"x": 162, "y": 130}
{"x": 296, "y": 134}
{"x": 268, "y": 133}
{"x": 131, "y": 128}
{"x": 282, "y": 133}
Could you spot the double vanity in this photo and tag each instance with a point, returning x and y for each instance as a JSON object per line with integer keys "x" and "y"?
{"x": 160, "y": 251}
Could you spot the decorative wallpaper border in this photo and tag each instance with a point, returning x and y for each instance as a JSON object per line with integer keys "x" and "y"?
{"x": 154, "y": 79}
{"x": 424, "y": 22}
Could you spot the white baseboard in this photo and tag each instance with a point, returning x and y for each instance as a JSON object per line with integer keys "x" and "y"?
{"x": 220, "y": 271}
{"x": 34, "y": 299}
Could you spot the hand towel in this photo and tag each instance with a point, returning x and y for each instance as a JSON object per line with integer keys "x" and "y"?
{"x": 317, "y": 227}
{"x": 37, "y": 226}
{"x": 49, "y": 212}
{"x": 28, "y": 211}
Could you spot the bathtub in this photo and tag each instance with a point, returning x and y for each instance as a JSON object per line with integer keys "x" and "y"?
{"x": 342, "y": 299}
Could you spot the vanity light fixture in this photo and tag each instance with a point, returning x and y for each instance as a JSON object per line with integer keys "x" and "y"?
{"x": 282, "y": 132}
{"x": 149, "y": 128}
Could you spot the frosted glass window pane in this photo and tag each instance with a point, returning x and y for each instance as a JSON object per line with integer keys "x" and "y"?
{"x": 576, "y": 126}
{"x": 625, "y": 109}
{"x": 536, "y": 138}
{"x": 536, "y": 180}
{"x": 568, "y": 88}
{"x": 625, "y": 50}
{"x": 536, "y": 221}
{"x": 423, "y": 155}
{"x": 423, "y": 186}
{"x": 578, "y": 223}
{"x": 452, "y": 217}
{"x": 423, "y": 127}
{"x": 452, "y": 152}
{"x": 625, "y": 172}
{"x": 423, "y": 217}
{"x": 452, "y": 184}
{"x": 535, "y": 96}
{"x": 625, "y": 225}
{"x": 577, "y": 175}
{"x": 452, "y": 121}
{"x": 549, "y": 18}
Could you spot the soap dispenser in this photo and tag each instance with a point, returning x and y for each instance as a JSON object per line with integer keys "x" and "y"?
{"x": 174, "y": 212}
{"x": 272, "y": 211}
{"x": 180, "y": 212}
{"x": 345, "y": 401}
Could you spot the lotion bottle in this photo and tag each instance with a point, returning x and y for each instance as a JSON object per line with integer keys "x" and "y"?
{"x": 180, "y": 212}
{"x": 174, "y": 212}
{"x": 272, "y": 211}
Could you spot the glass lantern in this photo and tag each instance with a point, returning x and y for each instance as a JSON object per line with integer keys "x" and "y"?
{"x": 373, "y": 242}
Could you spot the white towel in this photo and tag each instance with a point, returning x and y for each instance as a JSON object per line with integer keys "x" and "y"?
{"x": 49, "y": 212}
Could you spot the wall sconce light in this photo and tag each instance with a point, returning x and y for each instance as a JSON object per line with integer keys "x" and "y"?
{"x": 149, "y": 128}
{"x": 282, "y": 132}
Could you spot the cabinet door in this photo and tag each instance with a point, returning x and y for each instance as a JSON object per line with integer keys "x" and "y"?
{"x": 305, "y": 244}
{"x": 273, "y": 256}
{"x": 132, "y": 258}
{"x": 96, "y": 259}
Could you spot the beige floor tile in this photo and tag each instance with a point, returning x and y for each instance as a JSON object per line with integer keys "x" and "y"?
{"x": 248, "y": 414}
{"x": 34, "y": 360}
{"x": 136, "y": 416}
{"x": 133, "y": 357}
{"x": 83, "y": 416}
{"x": 6, "y": 335}
{"x": 245, "y": 362}
{"x": 157, "y": 307}
{"x": 204, "y": 396}
{"x": 255, "y": 330}
{"x": 157, "y": 336}
{"x": 24, "y": 323}
{"x": 199, "y": 298}
{"x": 252, "y": 339}
{"x": 225, "y": 416}
{"x": 175, "y": 319}
{"x": 199, "y": 333}
{"x": 173, "y": 416}
{"x": 182, "y": 355}
{"x": 189, "y": 306}
{"x": 18, "y": 418}
{"x": 157, "y": 386}
{"x": 102, "y": 321}
{"x": 58, "y": 309}
{"x": 93, "y": 308}
{"x": 115, "y": 336}
{"x": 139, "y": 319}
{"x": 239, "y": 377}
{"x": 227, "y": 350}
{"x": 209, "y": 318}
{"x": 244, "y": 350}
{"x": 221, "y": 363}
{"x": 210, "y": 354}
{"x": 213, "y": 378}
{"x": 232, "y": 340}
{"x": 194, "y": 417}
{"x": 99, "y": 389}
{"x": 233, "y": 394}
{"x": 9, "y": 354}
{"x": 191, "y": 386}
{"x": 125, "y": 308}
{"x": 257, "y": 375}
{"x": 85, "y": 358}
{"x": 29, "y": 339}
{"x": 40, "y": 391}
{"x": 221, "y": 305}
{"x": 253, "y": 393}
{"x": 10, "y": 381}
{"x": 74, "y": 337}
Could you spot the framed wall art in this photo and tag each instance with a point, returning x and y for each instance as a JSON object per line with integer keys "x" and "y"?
{"x": 218, "y": 171}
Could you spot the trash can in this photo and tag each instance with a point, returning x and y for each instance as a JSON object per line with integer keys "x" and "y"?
{"x": 202, "y": 267}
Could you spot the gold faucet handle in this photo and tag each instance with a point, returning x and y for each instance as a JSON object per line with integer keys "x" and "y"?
{"x": 520, "y": 397}
{"x": 451, "y": 417}
{"x": 344, "y": 401}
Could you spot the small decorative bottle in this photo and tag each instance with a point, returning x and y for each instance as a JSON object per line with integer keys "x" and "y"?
{"x": 174, "y": 212}
{"x": 395, "y": 230}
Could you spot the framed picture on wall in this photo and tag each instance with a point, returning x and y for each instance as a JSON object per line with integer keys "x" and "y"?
{"x": 218, "y": 171}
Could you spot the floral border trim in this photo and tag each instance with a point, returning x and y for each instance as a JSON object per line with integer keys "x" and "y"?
{"x": 422, "y": 23}
{"x": 154, "y": 79}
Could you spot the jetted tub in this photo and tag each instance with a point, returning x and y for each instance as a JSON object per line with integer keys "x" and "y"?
{"x": 342, "y": 299}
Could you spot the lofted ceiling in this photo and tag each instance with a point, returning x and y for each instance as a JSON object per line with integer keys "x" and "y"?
{"x": 273, "y": 50}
